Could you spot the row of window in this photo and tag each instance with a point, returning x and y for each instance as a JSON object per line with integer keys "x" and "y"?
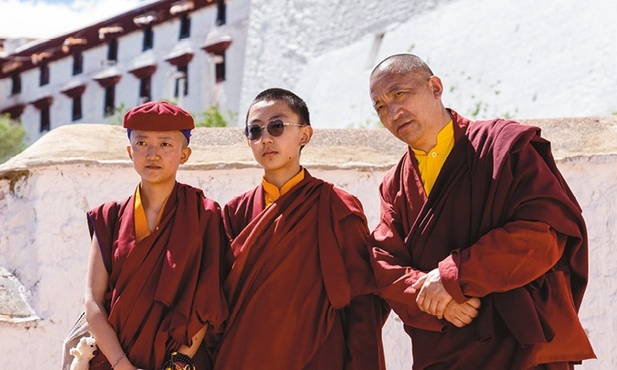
{"x": 109, "y": 106}
{"x": 181, "y": 87}
{"x": 112, "y": 51}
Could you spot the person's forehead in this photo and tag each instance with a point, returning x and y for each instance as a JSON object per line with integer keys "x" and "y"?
{"x": 387, "y": 81}
{"x": 174, "y": 134}
{"x": 268, "y": 110}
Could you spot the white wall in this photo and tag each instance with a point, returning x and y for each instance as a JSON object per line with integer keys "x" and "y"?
{"x": 518, "y": 58}
{"x": 203, "y": 90}
{"x": 45, "y": 242}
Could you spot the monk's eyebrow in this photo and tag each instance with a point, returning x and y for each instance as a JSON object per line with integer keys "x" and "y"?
{"x": 396, "y": 87}
{"x": 276, "y": 116}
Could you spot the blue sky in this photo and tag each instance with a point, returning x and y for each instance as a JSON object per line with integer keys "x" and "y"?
{"x": 49, "y": 18}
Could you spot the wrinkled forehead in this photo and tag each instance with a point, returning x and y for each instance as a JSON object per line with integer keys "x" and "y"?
{"x": 386, "y": 81}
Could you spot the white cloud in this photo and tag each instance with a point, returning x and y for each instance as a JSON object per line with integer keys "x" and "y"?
{"x": 40, "y": 19}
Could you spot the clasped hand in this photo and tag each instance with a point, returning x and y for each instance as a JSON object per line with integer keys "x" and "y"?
{"x": 434, "y": 299}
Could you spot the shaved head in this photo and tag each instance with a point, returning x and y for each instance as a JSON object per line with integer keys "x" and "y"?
{"x": 403, "y": 64}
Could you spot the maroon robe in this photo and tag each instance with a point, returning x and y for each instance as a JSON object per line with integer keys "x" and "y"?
{"x": 300, "y": 290}
{"x": 501, "y": 224}
{"x": 167, "y": 287}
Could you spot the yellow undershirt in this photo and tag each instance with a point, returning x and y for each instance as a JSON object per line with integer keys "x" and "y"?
{"x": 430, "y": 163}
{"x": 272, "y": 193}
{"x": 142, "y": 230}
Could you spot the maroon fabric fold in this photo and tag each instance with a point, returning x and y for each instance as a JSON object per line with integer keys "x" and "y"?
{"x": 165, "y": 288}
{"x": 300, "y": 289}
{"x": 501, "y": 224}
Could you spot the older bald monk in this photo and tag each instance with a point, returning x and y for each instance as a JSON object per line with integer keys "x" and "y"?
{"x": 154, "y": 284}
{"x": 481, "y": 248}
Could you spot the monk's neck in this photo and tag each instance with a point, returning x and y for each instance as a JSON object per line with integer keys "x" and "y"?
{"x": 431, "y": 141}
{"x": 280, "y": 177}
{"x": 154, "y": 196}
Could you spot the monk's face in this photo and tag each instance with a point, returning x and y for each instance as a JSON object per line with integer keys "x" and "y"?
{"x": 156, "y": 155}
{"x": 409, "y": 105}
{"x": 278, "y": 155}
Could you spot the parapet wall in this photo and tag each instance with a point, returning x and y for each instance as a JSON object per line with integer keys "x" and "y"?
{"x": 46, "y": 190}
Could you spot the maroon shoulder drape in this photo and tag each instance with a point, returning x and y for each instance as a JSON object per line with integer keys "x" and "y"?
{"x": 301, "y": 283}
{"x": 165, "y": 288}
{"x": 501, "y": 224}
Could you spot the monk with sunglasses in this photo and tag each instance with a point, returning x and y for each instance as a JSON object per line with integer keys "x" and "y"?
{"x": 301, "y": 287}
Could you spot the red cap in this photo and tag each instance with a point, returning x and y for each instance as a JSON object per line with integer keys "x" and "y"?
{"x": 158, "y": 116}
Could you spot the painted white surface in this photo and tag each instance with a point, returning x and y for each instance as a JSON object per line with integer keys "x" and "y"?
{"x": 203, "y": 89}
{"x": 48, "y": 242}
{"x": 518, "y": 58}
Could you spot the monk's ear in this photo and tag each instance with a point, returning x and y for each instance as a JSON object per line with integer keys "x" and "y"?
{"x": 186, "y": 153}
{"x": 128, "y": 150}
{"x": 307, "y": 134}
{"x": 436, "y": 86}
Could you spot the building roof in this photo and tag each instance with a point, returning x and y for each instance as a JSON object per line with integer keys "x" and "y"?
{"x": 31, "y": 55}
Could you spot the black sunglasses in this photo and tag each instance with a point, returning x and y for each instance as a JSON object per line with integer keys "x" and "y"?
{"x": 275, "y": 128}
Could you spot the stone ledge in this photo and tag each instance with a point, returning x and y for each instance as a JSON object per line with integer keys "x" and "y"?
{"x": 573, "y": 139}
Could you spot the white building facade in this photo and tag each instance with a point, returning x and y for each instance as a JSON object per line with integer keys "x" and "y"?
{"x": 190, "y": 52}
{"x": 512, "y": 58}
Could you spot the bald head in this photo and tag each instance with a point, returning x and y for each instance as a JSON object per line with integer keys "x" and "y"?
{"x": 403, "y": 64}
{"x": 407, "y": 98}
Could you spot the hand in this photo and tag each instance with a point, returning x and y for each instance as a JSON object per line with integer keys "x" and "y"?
{"x": 432, "y": 297}
{"x": 461, "y": 314}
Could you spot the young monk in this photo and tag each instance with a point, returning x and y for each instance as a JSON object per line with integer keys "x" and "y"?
{"x": 300, "y": 289}
{"x": 153, "y": 277}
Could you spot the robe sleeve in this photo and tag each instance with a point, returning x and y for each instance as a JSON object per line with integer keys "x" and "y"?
{"x": 366, "y": 314}
{"x": 530, "y": 242}
{"x": 504, "y": 259}
{"x": 393, "y": 272}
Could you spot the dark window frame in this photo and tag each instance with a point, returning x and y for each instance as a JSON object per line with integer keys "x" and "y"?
{"x": 78, "y": 63}
{"x": 109, "y": 106}
{"x": 45, "y": 123}
{"x": 185, "y": 26}
{"x": 219, "y": 67}
{"x": 15, "y": 83}
{"x": 112, "y": 49}
{"x": 145, "y": 89}
{"x": 77, "y": 113}
{"x": 148, "y": 41}
{"x": 182, "y": 74}
{"x": 44, "y": 74}
{"x": 221, "y": 13}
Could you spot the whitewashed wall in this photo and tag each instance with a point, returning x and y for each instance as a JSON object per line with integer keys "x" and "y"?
{"x": 517, "y": 58}
{"x": 44, "y": 236}
{"x": 203, "y": 89}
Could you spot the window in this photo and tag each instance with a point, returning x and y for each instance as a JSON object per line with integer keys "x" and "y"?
{"x": 44, "y": 76}
{"x": 144, "y": 90}
{"x": 219, "y": 67}
{"x": 110, "y": 97}
{"x": 185, "y": 26}
{"x": 45, "y": 122}
{"x": 78, "y": 63}
{"x": 16, "y": 83}
{"x": 77, "y": 108}
{"x": 182, "y": 81}
{"x": 148, "y": 38}
{"x": 221, "y": 14}
{"x": 112, "y": 51}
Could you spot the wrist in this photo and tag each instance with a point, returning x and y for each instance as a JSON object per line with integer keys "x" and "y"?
{"x": 178, "y": 360}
